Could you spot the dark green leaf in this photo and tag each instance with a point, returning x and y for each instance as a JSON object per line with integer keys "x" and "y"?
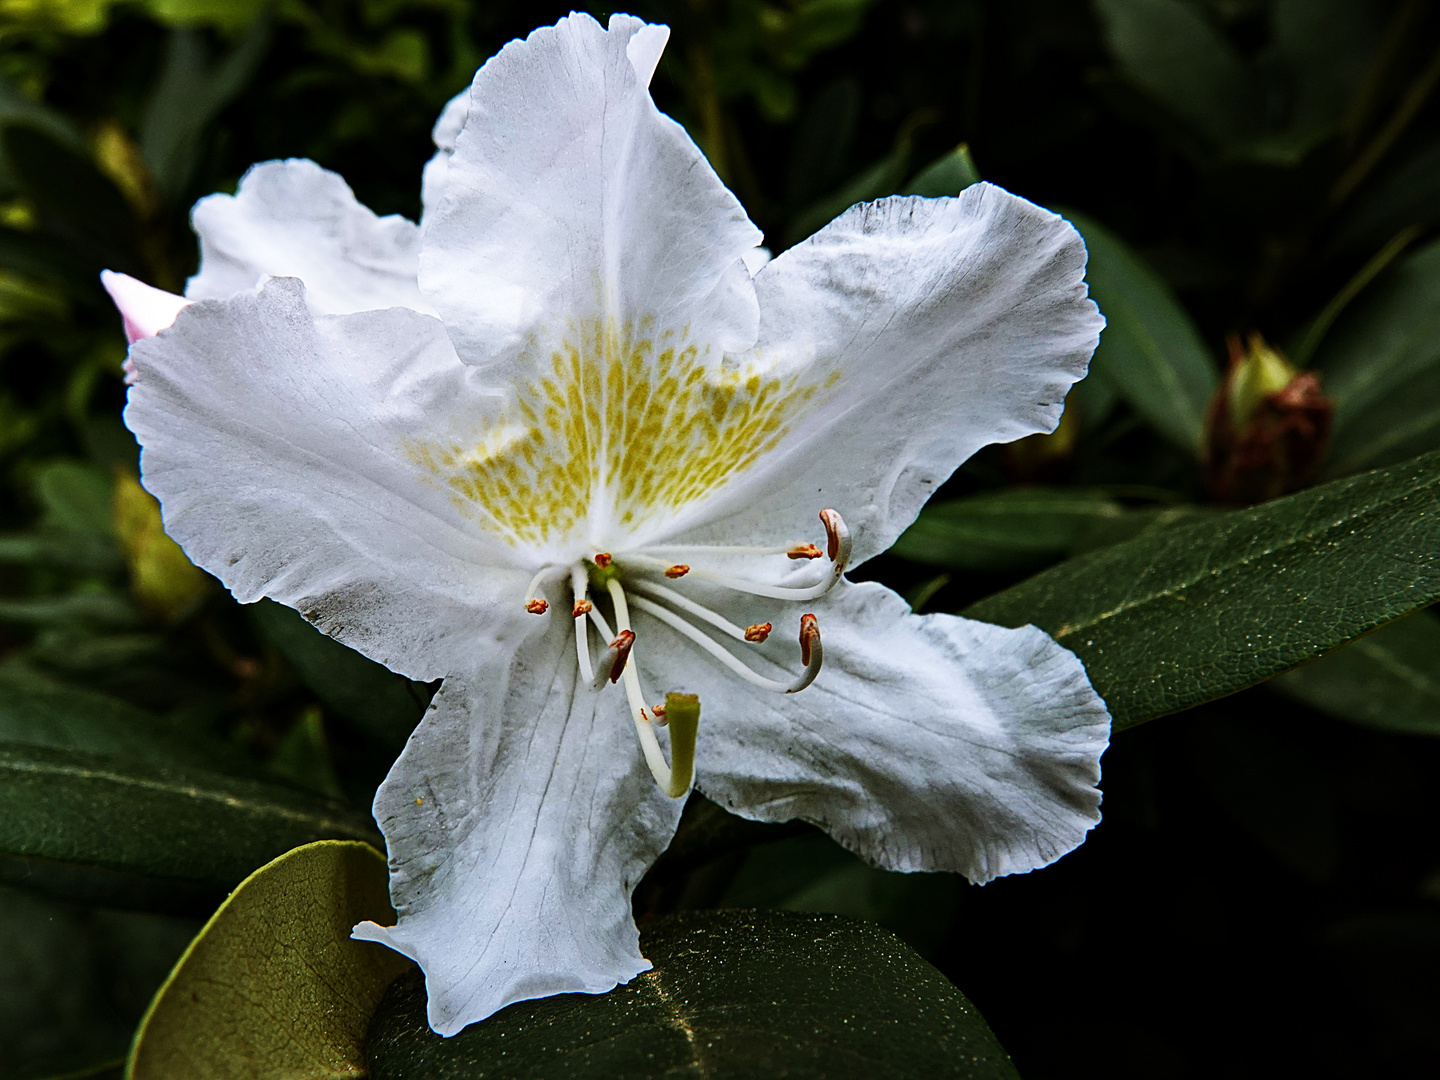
{"x": 948, "y": 175}
{"x": 68, "y": 819}
{"x": 383, "y": 705}
{"x": 1150, "y": 352}
{"x": 37, "y": 711}
{"x": 1389, "y": 679}
{"x": 71, "y": 191}
{"x": 1169, "y": 49}
{"x": 1381, "y": 363}
{"x": 74, "y": 982}
{"x": 75, "y": 496}
{"x": 188, "y": 96}
{"x": 70, "y": 550}
{"x": 91, "y": 608}
{"x": 1197, "y": 612}
{"x": 1010, "y": 529}
{"x": 734, "y": 995}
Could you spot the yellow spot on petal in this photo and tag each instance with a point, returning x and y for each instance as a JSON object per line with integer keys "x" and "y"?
{"x": 620, "y": 426}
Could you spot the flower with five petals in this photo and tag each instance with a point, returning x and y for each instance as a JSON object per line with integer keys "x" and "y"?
{"x": 557, "y": 437}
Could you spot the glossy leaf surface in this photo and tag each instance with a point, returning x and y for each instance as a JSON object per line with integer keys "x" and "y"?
{"x": 1169, "y": 620}
{"x": 733, "y": 994}
{"x": 1389, "y": 679}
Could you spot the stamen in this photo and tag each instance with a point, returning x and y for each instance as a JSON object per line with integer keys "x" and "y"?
{"x": 670, "y": 596}
{"x": 649, "y": 744}
{"x": 658, "y": 712}
{"x": 758, "y": 633}
{"x": 837, "y": 536}
{"x": 612, "y": 663}
{"x": 810, "y": 652}
{"x": 579, "y": 585}
{"x": 678, "y": 570}
{"x": 726, "y": 549}
{"x": 803, "y": 551}
{"x": 838, "y": 542}
{"x": 534, "y": 604}
{"x": 601, "y": 559}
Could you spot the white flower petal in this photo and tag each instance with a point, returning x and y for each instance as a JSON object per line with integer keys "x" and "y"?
{"x": 946, "y": 325}
{"x": 927, "y": 742}
{"x": 570, "y": 196}
{"x": 144, "y": 309}
{"x": 279, "y": 446}
{"x": 447, "y": 128}
{"x": 295, "y": 219}
{"x": 519, "y": 819}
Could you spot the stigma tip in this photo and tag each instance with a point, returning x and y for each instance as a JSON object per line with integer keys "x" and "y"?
{"x": 602, "y": 559}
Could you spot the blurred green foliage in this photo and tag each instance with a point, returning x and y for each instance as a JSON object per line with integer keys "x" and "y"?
{"x": 1234, "y": 165}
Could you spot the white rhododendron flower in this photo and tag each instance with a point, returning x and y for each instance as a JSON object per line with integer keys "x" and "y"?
{"x": 559, "y": 437}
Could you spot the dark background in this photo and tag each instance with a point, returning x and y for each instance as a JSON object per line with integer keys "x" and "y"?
{"x": 1263, "y": 897}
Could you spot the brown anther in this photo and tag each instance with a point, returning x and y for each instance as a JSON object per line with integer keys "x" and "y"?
{"x": 537, "y": 606}
{"x": 621, "y": 646}
{"x": 678, "y": 570}
{"x": 803, "y": 551}
{"x": 832, "y": 524}
{"x": 759, "y": 632}
{"x": 582, "y": 607}
{"x": 658, "y": 710}
{"x": 602, "y": 559}
{"x": 809, "y": 634}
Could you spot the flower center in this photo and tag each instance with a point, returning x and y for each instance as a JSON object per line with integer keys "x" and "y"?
{"x": 615, "y": 427}
{"x": 634, "y": 579}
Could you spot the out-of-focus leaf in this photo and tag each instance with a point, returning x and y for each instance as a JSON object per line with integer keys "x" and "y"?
{"x": 70, "y": 190}
{"x": 273, "y": 986}
{"x": 74, "y": 982}
{"x": 383, "y": 705}
{"x": 73, "y": 551}
{"x": 1150, "y": 352}
{"x": 1200, "y": 611}
{"x": 1408, "y": 196}
{"x": 39, "y": 712}
{"x": 875, "y": 182}
{"x": 17, "y": 108}
{"x": 813, "y": 873}
{"x": 40, "y": 257}
{"x": 94, "y": 608}
{"x": 303, "y": 756}
{"x": 224, "y": 14}
{"x": 188, "y": 95}
{"x": 74, "y": 496}
{"x": 1325, "y": 46}
{"x": 822, "y": 140}
{"x": 161, "y": 577}
{"x": 947, "y": 175}
{"x": 67, "y": 816}
{"x": 1169, "y": 49}
{"x": 1389, "y": 679}
{"x": 1010, "y": 529}
{"x": 733, "y": 995}
{"x": 1381, "y": 363}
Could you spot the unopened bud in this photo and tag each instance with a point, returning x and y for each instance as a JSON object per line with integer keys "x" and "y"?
{"x": 1269, "y": 425}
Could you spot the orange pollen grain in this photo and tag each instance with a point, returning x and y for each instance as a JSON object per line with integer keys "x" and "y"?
{"x": 759, "y": 632}
{"x": 678, "y": 570}
{"x": 803, "y": 551}
{"x": 537, "y": 607}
